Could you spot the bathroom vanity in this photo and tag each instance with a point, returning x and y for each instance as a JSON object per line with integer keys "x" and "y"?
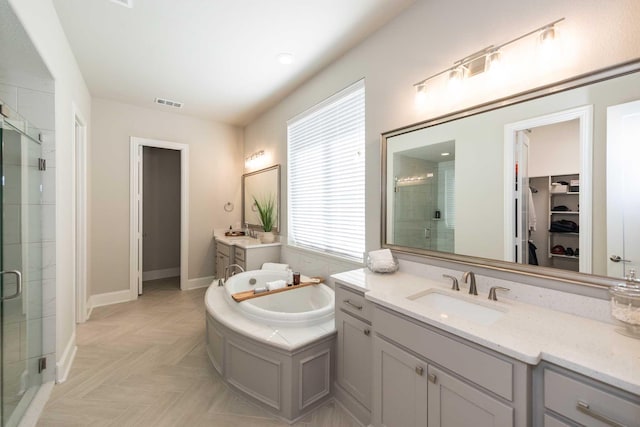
{"x": 247, "y": 252}
{"x": 439, "y": 357}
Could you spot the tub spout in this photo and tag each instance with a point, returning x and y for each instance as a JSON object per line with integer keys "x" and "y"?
{"x": 232, "y": 269}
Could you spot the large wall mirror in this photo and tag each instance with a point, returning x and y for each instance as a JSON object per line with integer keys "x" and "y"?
{"x": 545, "y": 183}
{"x": 263, "y": 185}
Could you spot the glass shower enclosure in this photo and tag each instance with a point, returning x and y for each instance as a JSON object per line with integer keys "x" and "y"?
{"x": 21, "y": 269}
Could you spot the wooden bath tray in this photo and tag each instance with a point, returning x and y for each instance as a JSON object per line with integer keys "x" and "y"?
{"x": 245, "y": 295}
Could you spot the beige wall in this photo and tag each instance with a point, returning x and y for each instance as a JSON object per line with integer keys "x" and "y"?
{"x": 555, "y": 149}
{"x": 428, "y": 38}
{"x": 161, "y": 209}
{"x": 215, "y": 163}
{"x": 41, "y": 23}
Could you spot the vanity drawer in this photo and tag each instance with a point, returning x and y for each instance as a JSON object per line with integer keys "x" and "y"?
{"x": 466, "y": 360}
{"x": 588, "y": 404}
{"x": 223, "y": 249}
{"x": 239, "y": 254}
{"x": 352, "y": 302}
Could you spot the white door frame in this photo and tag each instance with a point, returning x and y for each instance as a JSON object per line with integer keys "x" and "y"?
{"x": 585, "y": 116}
{"x": 135, "y": 209}
{"x": 80, "y": 213}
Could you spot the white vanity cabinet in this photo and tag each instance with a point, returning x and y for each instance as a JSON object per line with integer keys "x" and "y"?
{"x": 253, "y": 257}
{"x": 566, "y": 398}
{"x": 224, "y": 257}
{"x": 249, "y": 257}
{"x": 425, "y": 377}
{"x": 354, "y": 351}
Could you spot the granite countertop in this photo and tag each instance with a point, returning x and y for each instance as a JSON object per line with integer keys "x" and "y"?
{"x": 526, "y": 332}
{"x": 244, "y": 242}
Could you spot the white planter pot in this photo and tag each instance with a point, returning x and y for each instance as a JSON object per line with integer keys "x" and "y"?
{"x": 267, "y": 237}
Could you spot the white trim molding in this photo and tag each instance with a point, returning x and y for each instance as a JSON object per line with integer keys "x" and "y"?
{"x": 160, "y": 274}
{"x": 585, "y": 115}
{"x": 200, "y": 282}
{"x": 135, "y": 210}
{"x": 109, "y": 298}
{"x": 79, "y": 212}
{"x": 63, "y": 366}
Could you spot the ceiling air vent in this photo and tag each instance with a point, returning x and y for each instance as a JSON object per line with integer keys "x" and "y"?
{"x": 168, "y": 103}
{"x": 125, "y": 3}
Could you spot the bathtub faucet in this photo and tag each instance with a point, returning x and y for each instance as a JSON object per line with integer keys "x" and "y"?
{"x": 232, "y": 269}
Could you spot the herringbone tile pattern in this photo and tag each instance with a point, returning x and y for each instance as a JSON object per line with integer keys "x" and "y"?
{"x": 143, "y": 363}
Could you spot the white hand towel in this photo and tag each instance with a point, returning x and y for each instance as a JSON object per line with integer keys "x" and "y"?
{"x": 381, "y": 260}
{"x": 276, "y": 284}
{"x": 274, "y": 266}
{"x": 382, "y": 255}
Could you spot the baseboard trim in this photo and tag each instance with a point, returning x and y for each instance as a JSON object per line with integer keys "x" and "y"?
{"x": 33, "y": 412}
{"x": 64, "y": 365}
{"x": 160, "y": 274}
{"x": 351, "y": 405}
{"x": 109, "y": 298}
{"x": 200, "y": 282}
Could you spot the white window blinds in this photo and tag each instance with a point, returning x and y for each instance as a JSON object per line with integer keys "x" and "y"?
{"x": 326, "y": 175}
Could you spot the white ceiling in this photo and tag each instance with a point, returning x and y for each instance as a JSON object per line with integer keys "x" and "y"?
{"x": 218, "y": 57}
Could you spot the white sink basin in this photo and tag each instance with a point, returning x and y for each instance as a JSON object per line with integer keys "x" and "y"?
{"x": 449, "y": 306}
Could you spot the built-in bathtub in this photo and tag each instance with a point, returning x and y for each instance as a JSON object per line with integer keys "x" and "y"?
{"x": 275, "y": 349}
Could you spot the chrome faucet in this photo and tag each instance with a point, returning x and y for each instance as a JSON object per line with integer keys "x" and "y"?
{"x": 233, "y": 269}
{"x": 472, "y": 282}
{"x": 454, "y": 282}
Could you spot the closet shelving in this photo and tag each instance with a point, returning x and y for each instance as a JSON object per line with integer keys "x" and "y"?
{"x": 561, "y": 196}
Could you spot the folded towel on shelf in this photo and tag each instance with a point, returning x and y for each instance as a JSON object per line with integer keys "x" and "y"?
{"x": 381, "y": 260}
{"x": 276, "y": 284}
{"x": 275, "y": 266}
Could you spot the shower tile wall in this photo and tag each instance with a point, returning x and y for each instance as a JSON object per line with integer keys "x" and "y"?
{"x": 38, "y": 108}
{"x": 415, "y": 205}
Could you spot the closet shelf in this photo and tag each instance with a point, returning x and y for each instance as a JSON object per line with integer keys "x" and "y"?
{"x": 564, "y": 233}
{"x": 563, "y": 256}
{"x": 565, "y": 212}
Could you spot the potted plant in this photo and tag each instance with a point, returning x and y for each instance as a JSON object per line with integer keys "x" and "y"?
{"x": 266, "y": 214}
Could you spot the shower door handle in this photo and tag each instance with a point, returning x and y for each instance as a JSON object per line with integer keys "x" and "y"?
{"x": 18, "y": 284}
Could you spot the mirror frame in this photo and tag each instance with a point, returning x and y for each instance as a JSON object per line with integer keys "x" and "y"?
{"x": 493, "y": 264}
{"x": 244, "y": 177}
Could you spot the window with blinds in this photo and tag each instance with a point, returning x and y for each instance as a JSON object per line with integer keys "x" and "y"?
{"x": 326, "y": 175}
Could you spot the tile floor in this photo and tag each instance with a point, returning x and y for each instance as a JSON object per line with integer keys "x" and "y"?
{"x": 143, "y": 363}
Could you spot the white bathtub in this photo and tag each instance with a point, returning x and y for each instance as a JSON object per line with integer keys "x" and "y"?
{"x": 277, "y": 350}
{"x": 305, "y": 306}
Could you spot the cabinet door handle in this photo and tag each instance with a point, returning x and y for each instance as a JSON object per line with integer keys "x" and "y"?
{"x": 432, "y": 378}
{"x": 585, "y": 409}
{"x": 18, "y": 284}
{"x": 419, "y": 370}
{"x": 367, "y": 332}
{"x": 356, "y": 306}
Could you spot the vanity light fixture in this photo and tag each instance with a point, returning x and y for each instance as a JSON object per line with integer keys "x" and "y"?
{"x": 485, "y": 59}
{"x": 445, "y": 154}
{"x": 251, "y": 160}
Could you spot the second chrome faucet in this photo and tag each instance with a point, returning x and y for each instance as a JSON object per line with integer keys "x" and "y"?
{"x": 471, "y": 278}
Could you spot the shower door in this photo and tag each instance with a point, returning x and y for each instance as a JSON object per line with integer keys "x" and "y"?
{"x": 21, "y": 265}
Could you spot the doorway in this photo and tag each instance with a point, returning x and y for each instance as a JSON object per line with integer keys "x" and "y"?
{"x": 149, "y": 158}
{"x": 564, "y": 217}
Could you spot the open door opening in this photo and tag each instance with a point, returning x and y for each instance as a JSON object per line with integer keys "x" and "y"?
{"x": 159, "y": 212}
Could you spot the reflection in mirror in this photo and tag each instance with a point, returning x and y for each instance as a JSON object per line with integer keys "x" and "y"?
{"x": 424, "y": 197}
{"x": 558, "y": 138}
{"x": 262, "y": 185}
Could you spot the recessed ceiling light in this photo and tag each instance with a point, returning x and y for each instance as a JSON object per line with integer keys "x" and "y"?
{"x": 285, "y": 58}
{"x": 125, "y": 3}
{"x": 445, "y": 154}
